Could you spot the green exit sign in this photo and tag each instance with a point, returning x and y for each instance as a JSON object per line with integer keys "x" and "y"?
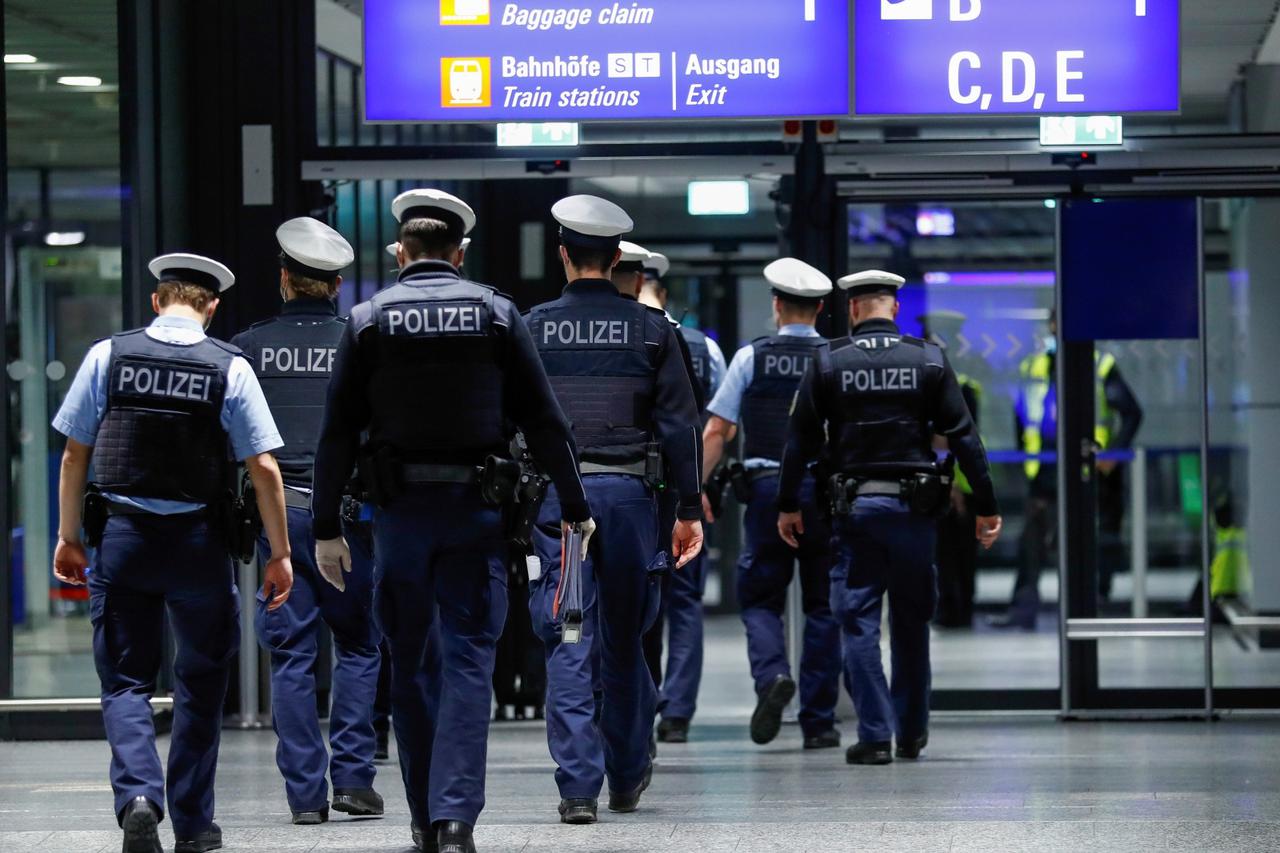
{"x": 549, "y": 134}
{"x": 1082, "y": 131}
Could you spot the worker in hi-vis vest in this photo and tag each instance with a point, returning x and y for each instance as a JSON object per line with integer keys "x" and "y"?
{"x": 1119, "y": 416}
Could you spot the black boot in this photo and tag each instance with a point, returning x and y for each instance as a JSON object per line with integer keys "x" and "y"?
{"x": 311, "y": 818}
{"x": 869, "y": 753}
{"x": 911, "y": 748}
{"x": 830, "y": 739}
{"x": 578, "y": 811}
{"x": 424, "y": 841}
{"x": 629, "y": 801}
{"x": 454, "y": 836}
{"x": 766, "y": 722}
{"x": 382, "y": 748}
{"x": 360, "y": 802}
{"x": 140, "y": 821}
{"x": 210, "y": 839}
{"x": 673, "y": 730}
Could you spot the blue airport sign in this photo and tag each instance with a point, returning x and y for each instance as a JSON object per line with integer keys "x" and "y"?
{"x": 1034, "y": 57}
{"x": 551, "y": 60}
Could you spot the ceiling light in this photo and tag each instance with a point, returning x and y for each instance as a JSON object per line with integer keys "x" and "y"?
{"x": 87, "y": 82}
{"x": 18, "y": 59}
{"x": 64, "y": 238}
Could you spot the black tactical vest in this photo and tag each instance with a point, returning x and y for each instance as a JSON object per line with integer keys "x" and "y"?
{"x": 595, "y": 354}
{"x": 879, "y": 388}
{"x": 293, "y": 357}
{"x": 161, "y": 436}
{"x": 436, "y": 381}
{"x": 700, "y": 355}
{"x": 780, "y": 362}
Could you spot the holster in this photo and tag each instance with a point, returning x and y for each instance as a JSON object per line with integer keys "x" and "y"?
{"x": 927, "y": 494}
{"x": 378, "y": 467}
{"x": 499, "y": 480}
{"x": 522, "y": 515}
{"x": 243, "y": 522}
{"x": 738, "y": 482}
{"x": 653, "y": 469}
{"x": 838, "y": 489}
{"x": 715, "y": 487}
{"x": 93, "y": 516}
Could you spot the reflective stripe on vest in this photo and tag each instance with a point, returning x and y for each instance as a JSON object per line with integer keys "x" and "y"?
{"x": 1036, "y": 384}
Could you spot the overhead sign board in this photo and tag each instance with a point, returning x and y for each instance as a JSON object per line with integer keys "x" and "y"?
{"x": 488, "y": 60}
{"x": 1033, "y": 57}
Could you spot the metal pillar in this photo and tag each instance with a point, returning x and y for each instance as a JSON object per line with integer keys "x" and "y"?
{"x": 1138, "y": 512}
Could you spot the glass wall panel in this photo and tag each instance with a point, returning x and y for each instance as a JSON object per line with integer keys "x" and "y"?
{"x": 63, "y": 234}
{"x": 1242, "y": 270}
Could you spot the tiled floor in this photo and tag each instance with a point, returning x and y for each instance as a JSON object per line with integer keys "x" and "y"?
{"x": 1003, "y": 784}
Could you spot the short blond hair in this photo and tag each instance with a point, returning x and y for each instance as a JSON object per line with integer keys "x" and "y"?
{"x": 192, "y": 295}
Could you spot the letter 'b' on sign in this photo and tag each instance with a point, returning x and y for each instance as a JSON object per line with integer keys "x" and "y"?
{"x": 906, "y": 10}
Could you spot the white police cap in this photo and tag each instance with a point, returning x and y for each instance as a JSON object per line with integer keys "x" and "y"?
{"x": 192, "y": 269}
{"x": 591, "y": 221}
{"x": 796, "y": 278}
{"x": 658, "y": 264}
{"x": 313, "y": 249}
{"x": 435, "y": 204}
{"x": 872, "y": 281}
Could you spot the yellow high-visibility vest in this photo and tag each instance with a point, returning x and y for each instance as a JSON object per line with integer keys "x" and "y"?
{"x": 1229, "y": 571}
{"x": 962, "y": 482}
{"x": 1036, "y": 380}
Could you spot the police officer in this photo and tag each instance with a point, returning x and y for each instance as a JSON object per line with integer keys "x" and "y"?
{"x": 682, "y": 595}
{"x": 1119, "y": 416}
{"x": 159, "y": 412}
{"x": 957, "y": 549}
{"x": 293, "y": 357}
{"x": 874, "y": 407}
{"x": 617, "y": 370}
{"x": 756, "y": 396}
{"x": 629, "y": 277}
{"x": 434, "y": 368}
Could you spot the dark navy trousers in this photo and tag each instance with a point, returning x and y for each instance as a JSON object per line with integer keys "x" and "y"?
{"x": 290, "y": 635}
{"x": 145, "y": 565}
{"x": 882, "y": 547}
{"x": 765, "y": 570}
{"x": 622, "y": 589}
{"x": 440, "y": 552}
{"x": 682, "y": 608}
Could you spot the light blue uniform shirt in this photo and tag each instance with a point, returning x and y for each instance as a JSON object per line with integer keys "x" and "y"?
{"x": 737, "y": 379}
{"x": 245, "y": 415}
{"x": 717, "y": 365}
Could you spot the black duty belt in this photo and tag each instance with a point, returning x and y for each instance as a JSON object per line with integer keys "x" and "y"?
{"x": 297, "y": 500}
{"x": 116, "y": 508}
{"x": 415, "y": 474}
{"x": 635, "y": 469}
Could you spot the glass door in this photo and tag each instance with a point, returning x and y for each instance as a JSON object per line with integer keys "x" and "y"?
{"x": 1128, "y": 385}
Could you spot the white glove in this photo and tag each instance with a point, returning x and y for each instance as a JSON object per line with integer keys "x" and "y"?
{"x": 333, "y": 557}
{"x": 587, "y": 527}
